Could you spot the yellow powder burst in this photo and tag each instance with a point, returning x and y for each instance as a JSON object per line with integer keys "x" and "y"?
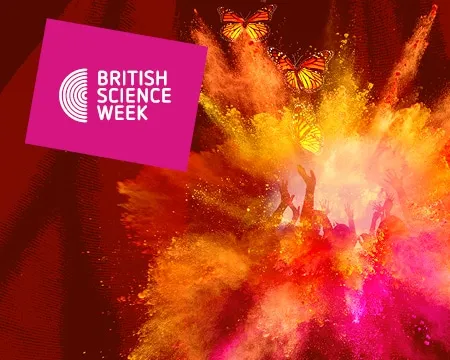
{"x": 249, "y": 102}
{"x": 191, "y": 279}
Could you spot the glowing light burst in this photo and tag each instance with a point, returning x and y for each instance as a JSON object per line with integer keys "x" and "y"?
{"x": 226, "y": 283}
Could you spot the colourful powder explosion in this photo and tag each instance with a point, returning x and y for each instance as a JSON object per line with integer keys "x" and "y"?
{"x": 231, "y": 277}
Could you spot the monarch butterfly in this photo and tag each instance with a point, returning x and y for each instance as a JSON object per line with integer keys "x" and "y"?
{"x": 305, "y": 131}
{"x": 310, "y": 137}
{"x": 254, "y": 25}
{"x": 308, "y": 75}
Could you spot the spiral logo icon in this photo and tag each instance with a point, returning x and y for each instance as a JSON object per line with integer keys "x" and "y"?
{"x": 73, "y": 95}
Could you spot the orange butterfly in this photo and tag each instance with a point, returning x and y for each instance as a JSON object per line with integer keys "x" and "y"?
{"x": 309, "y": 75}
{"x": 254, "y": 25}
{"x": 306, "y": 130}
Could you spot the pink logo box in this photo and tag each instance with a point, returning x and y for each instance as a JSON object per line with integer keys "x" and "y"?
{"x": 116, "y": 95}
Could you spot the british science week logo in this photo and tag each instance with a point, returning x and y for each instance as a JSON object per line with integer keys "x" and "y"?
{"x": 116, "y": 95}
{"x": 121, "y": 95}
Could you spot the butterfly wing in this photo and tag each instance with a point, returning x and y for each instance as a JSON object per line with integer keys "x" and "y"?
{"x": 311, "y": 71}
{"x": 263, "y": 14}
{"x": 256, "y": 27}
{"x": 310, "y": 81}
{"x": 234, "y": 24}
{"x": 318, "y": 61}
{"x": 258, "y": 31}
{"x": 231, "y": 31}
{"x": 286, "y": 66}
{"x": 228, "y": 15}
{"x": 310, "y": 137}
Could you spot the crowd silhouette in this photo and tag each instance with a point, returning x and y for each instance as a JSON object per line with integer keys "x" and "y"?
{"x": 368, "y": 294}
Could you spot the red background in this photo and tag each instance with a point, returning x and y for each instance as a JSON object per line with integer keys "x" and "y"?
{"x": 64, "y": 255}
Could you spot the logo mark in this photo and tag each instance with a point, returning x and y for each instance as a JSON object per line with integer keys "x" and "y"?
{"x": 73, "y": 95}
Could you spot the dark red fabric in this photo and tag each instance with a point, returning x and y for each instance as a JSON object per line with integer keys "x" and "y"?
{"x": 64, "y": 255}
